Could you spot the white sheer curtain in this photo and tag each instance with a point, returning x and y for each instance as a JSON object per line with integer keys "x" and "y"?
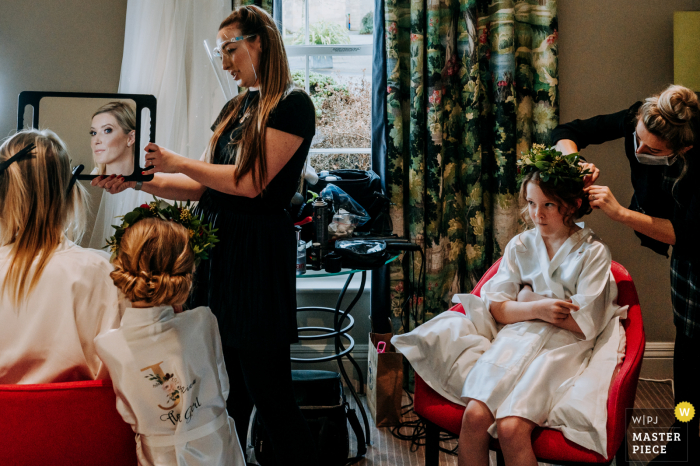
{"x": 164, "y": 56}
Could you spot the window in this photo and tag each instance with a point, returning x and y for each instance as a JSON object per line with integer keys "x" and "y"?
{"x": 329, "y": 44}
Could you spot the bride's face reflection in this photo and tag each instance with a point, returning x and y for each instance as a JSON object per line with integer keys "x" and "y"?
{"x": 110, "y": 144}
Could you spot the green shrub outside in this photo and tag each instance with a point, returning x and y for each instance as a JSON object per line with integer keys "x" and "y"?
{"x": 323, "y": 33}
{"x": 367, "y": 23}
{"x": 321, "y": 86}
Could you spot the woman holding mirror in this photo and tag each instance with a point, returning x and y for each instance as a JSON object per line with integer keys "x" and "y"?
{"x": 112, "y": 139}
{"x": 244, "y": 183}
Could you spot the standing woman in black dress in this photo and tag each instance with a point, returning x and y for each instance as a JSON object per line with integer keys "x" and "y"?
{"x": 244, "y": 183}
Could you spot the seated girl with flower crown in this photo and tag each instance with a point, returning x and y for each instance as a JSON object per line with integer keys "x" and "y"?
{"x": 168, "y": 368}
{"x": 523, "y": 355}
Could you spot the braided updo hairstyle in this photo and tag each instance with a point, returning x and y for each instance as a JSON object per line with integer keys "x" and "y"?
{"x": 155, "y": 263}
{"x": 673, "y": 115}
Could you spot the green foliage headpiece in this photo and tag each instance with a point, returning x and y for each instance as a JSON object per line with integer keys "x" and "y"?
{"x": 202, "y": 237}
{"x": 555, "y": 168}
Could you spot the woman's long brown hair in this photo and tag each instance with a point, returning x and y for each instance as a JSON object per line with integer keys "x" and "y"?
{"x": 274, "y": 80}
{"x": 36, "y": 208}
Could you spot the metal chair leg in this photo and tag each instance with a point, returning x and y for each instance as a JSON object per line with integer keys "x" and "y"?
{"x": 432, "y": 444}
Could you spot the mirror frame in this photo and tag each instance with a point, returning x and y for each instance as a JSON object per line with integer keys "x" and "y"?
{"x": 33, "y": 99}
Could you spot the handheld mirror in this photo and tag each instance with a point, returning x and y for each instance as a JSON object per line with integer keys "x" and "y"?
{"x": 98, "y": 129}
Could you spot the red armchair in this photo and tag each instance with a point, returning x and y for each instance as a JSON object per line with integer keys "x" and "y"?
{"x": 551, "y": 446}
{"x": 72, "y": 423}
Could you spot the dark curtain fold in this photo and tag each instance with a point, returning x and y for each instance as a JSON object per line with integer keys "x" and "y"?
{"x": 380, "y": 301}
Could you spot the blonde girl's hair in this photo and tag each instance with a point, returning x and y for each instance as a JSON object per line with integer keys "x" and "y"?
{"x": 566, "y": 195}
{"x": 126, "y": 119}
{"x": 274, "y": 80}
{"x": 674, "y": 116}
{"x": 36, "y": 208}
{"x": 155, "y": 263}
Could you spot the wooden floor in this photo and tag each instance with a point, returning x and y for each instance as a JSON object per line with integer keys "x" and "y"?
{"x": 386, "y": 450}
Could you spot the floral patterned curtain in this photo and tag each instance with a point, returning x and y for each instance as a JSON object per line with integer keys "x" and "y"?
{"x": 471, "y": 84}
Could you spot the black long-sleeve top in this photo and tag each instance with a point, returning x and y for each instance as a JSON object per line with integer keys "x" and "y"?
{"x": 653, "y": 185}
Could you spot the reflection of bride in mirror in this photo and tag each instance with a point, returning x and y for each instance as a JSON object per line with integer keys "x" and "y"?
{"x": 112, "y": 139}
{"x": 112, "y": 136}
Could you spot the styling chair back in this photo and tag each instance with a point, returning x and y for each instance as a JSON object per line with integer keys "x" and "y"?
{"x": 67, "y": 423}
{"x": 550, "y": 446}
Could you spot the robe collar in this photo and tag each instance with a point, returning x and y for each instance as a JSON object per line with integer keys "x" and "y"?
{"x": 141, "y": 317}
{"x": 549, "y": 267}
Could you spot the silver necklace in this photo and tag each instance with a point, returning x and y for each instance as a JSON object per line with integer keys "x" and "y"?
{"x": 247, "y": 111}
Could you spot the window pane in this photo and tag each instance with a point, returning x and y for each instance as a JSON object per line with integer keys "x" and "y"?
{"x": 343, "y": 100}
{"x": 340, "y": 85}
{"x": 297, "y": 66}
{"x": 293, "y": 20}
{"x": 330, "y": 17}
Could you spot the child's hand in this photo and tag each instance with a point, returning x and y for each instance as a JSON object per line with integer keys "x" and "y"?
{"x": 554, "y": 311}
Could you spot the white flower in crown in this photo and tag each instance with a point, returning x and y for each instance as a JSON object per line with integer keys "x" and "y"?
{"x": 169, "y": 386}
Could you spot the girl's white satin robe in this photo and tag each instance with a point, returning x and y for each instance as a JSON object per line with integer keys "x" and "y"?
{"x": 171, "y": 384}
{"x": 530, "y": 369}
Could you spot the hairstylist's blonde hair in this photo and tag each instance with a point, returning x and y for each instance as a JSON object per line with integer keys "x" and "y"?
{"x": 36, "y": 208}
{"x": 155, "y": 263}
{"x": 274, "y": 79}
{"x": 126, "y": 119}
{"x": 673, "y": 115}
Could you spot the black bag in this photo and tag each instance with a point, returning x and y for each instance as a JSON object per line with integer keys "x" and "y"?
{"x": 364, "y": 187}
{"x": 320, "y": 397}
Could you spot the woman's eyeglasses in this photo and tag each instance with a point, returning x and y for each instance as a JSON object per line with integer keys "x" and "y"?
{"x": 219, "y": 50}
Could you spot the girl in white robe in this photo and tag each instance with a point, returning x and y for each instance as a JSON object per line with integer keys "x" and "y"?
{"x": 168, "y": 368}
{"x": 55, "y": 297}
{"x": 521, "y": 347}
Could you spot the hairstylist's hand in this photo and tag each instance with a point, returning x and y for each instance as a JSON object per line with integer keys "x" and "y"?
{"x": 161, "y": 160}
{"x": 595, "y": 173}
{"x": 554, "y": 311}
{"x": 113, "y": 184}
{"x": 600, "y": 197}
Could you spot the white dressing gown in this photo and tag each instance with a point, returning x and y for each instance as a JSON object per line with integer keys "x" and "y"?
{"x": 171, "y": 384}
{"x": 48, "y": 337}
{"x": 529, "y": 367}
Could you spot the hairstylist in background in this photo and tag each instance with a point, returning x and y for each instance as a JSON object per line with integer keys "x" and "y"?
{"x": 244, "y": 182}
{"x": 661, "y": 143}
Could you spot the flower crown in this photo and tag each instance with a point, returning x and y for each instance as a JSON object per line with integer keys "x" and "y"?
{"x": 202, "y": 237}
{"x": 554, "y": 167}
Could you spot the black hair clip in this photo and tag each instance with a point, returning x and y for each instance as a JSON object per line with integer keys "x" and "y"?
{"x": 24, "y": 153}
{"x": 76, "y": 172}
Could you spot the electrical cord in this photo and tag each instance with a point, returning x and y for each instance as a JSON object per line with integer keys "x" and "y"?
{"x": 417, "y": 431}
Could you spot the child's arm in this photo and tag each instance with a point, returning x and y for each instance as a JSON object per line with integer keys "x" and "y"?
{"x": 526, "y": 295}
{"x": 554, "y": 311}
